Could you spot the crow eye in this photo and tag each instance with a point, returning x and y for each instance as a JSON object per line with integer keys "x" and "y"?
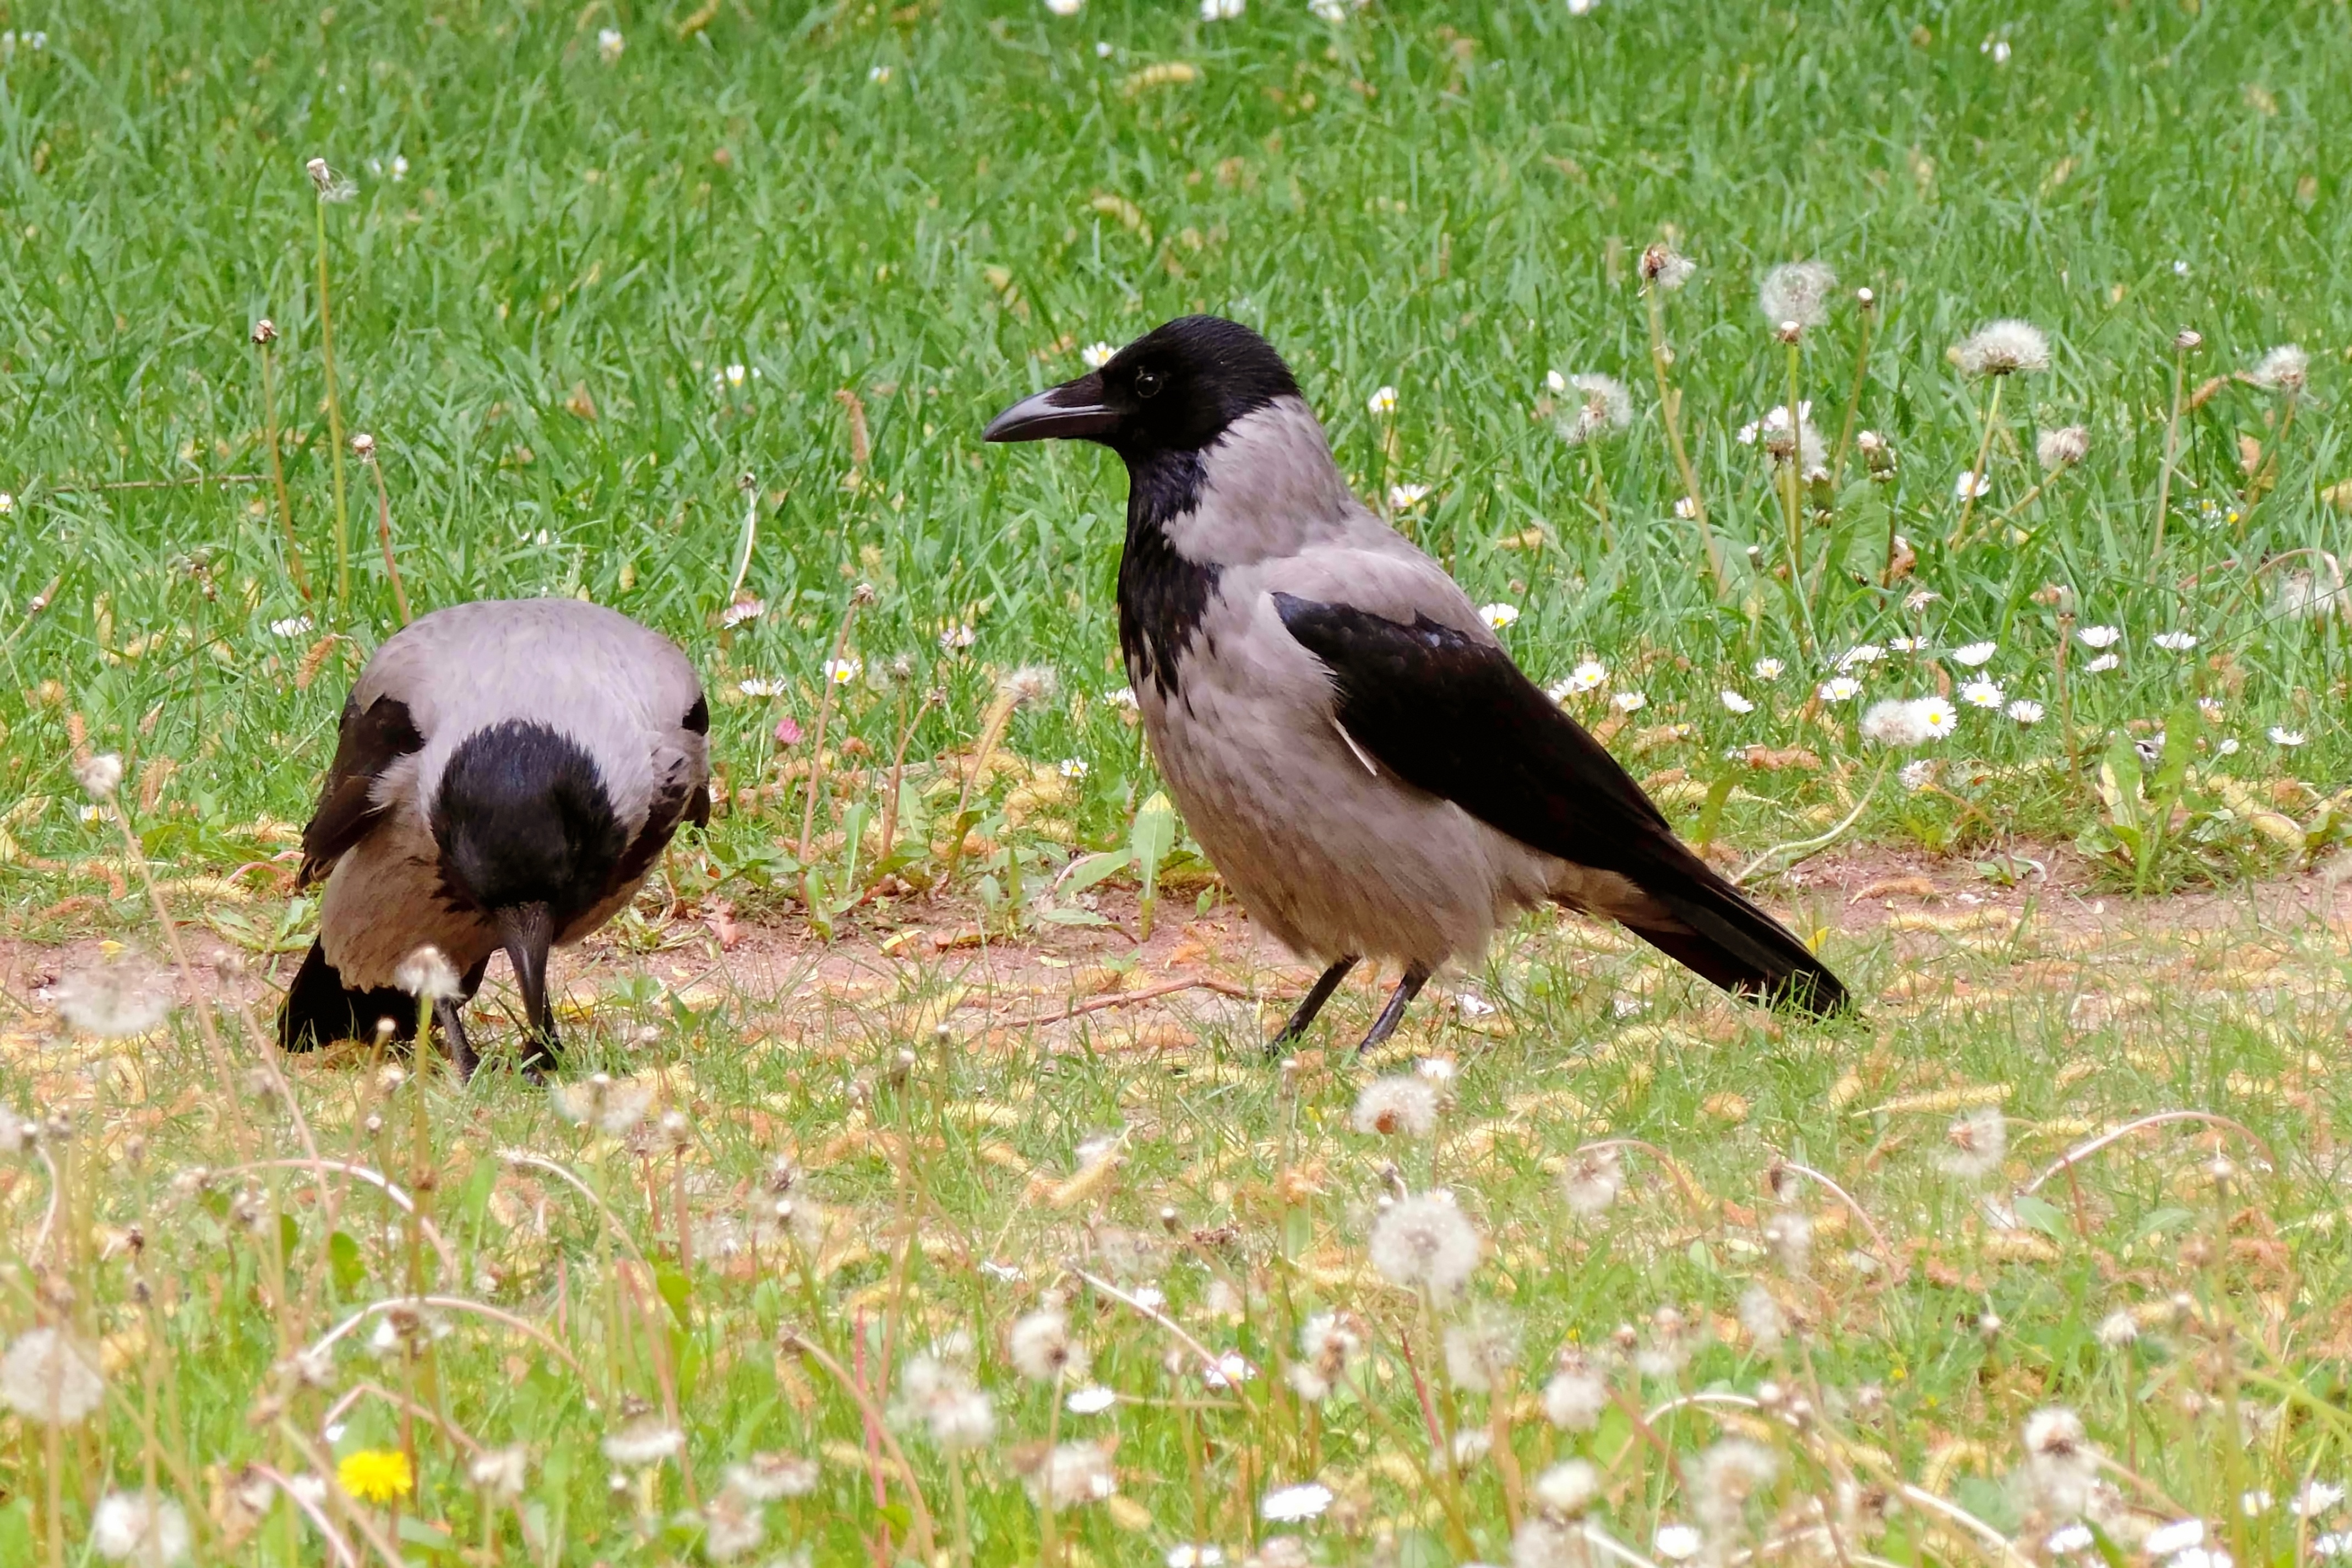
{"x": 1146, "y": 383}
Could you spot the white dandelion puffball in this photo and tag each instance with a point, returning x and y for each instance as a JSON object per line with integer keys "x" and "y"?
{"x": 2285, "y": 368}
{"x": 1295, "y": 1504}
{"x": 137, "y": 1528}
{"x": 1796, "y": 291}
{"x": 1974, "y": 655}
{"x": 2062, "y": 448}
{"x": 2005, "y": 347}
{"x": 1095, "y": 355}
{"x": 1899, "y": 722}
{"x": 1604, "y": 408}
{"x": 54, "y": 1381}
{"x": 1425, "y": 1242}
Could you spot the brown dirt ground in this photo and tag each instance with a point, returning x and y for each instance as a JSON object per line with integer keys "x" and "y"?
{"x": 1905, "y": 918}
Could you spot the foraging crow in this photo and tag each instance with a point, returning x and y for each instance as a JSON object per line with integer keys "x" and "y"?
{"x": 1366, "y": 766}
{"x": 506, "y": 773}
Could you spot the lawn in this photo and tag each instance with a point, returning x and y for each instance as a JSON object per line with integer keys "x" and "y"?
{"x": 698, "y": 313}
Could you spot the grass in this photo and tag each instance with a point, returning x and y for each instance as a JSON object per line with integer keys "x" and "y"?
{"x": 578, "y": 297}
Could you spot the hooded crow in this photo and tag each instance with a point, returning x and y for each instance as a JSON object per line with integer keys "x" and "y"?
{"x": 1365, "y": 765}
{"x": 506, "y": 775}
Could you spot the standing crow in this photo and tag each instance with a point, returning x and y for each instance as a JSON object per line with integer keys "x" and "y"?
{"x": 1368, "y": 769}
{"x": 508, "y": 773}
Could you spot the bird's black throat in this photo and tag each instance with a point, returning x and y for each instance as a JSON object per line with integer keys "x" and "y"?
{"x": 1163, "y": 597}
{"x": 522, "y": 816}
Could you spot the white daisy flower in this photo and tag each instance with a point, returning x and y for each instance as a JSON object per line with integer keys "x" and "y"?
{"x": 1095, "y": 355}
{"x": 1735, "y": 702}
{"x": 1769, "y": 668}
{"x": 1627, "y": 702}
{"x": 1970, "y": 485}
{"x": 2175, "y": 642}
{"x": 1980, "y": 694}
{"x": 2026, "y": 711}
{"x": 1843, "y": 689}
{"x": 2103, "y": 663}
{"x": 842, "y": 671}
{"x": 1384, "y": 401}
{"x": 2281, "y": 736}
{"x": 1499, "y": 615}
{"x": 1976, "y": 653}
{"x": 2099, "y": 637}
{"x": 1404, "y": 498}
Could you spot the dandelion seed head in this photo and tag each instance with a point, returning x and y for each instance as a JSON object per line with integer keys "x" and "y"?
{"x": 428, "y": 974}
{"x": 1295, "y": 1504}
{"x": 500, "y": 1472}
{"x": 1576, "y": 1397}
{"x": 1976, "y": 1143}
{"x": 1426, "y": 1242}
{"x": 1796, "y": 291}
{"x": 1897, "y": 723}
{"x": 142, "y": 1529}
{"x": 1542, "y": 1540}
{"x": 2285, "y": 368}
{"x": 1603, "y": 408}
{"x": 1031, "y": 683}
{"x": 2064, "y": 447}
{"x": 1725, "y": 1477}
{"x": 1667, "y": 267}
{"x": 1397, "y": 1105}
{"x": 1592, "y": 1182}
{"x": 1041, "y": 1349}
{"x": 114, "y": 1001}
{"x": 99, "y": 774}
{"x": 1481, "y": 1347}
{"x": 2006, "y": 347}
{"x": 1761, "y": 1316}
{"x": 1677, "y": 1542}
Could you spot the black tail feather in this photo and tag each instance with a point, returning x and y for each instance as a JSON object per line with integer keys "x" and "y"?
{"x": 1730, "y": 942}
{"x": 321, "y": 1009}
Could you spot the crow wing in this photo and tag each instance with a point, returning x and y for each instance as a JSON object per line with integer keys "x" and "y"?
{"x": 370, "y": 739}
{"x": 1449, "y": 713}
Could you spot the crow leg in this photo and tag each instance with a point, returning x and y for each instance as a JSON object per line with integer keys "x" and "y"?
{"x": 1312, "y": 1003}
{"x": 449, "y": 1018}
{"x": 1415, "y": 977}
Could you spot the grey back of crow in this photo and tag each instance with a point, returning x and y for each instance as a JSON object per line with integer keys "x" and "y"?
{"x": 506, "y": 773}
{"x": 1366, "y": 766}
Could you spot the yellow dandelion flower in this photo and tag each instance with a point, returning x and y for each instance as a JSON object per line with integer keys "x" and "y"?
{"x": 376, "y": 1475}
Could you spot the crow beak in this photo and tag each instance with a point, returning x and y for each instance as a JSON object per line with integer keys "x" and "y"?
{"x": 527, "y": 931}
{"x": 1075, "y": 408}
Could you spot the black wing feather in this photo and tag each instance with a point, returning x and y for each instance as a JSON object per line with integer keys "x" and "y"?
{"x": 370, "y": 741}
{"x": 1451, "y": 714}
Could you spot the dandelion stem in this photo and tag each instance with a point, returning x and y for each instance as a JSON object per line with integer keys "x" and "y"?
{"x": 400, "y": 603}
{"x": 1792, "y": 474}
{"x": 2266, "y": 477}
{"x": 1975, "y": 475}
{"x": 1854, "y": 399}
{"x": 816, "y": 742}
{"x": 2171, "y": 452}
{"x": 334, "y": 422}
{"x": 2065, "y": 698}
{"x": 294, "y": 566}
{"x": 751, "y": 487}
{"x": 1670, "y": 404}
